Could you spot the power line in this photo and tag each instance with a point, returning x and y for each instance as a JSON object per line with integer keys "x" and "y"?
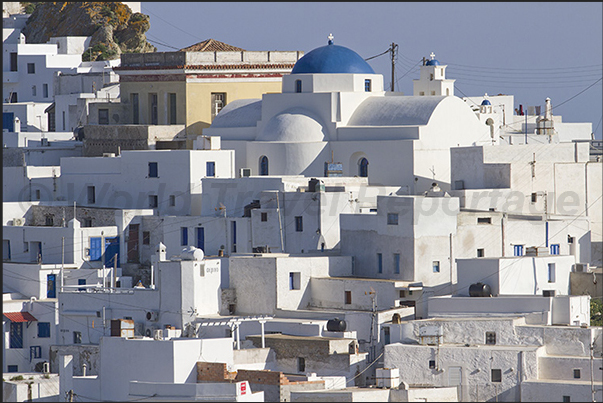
{"x": 174, "y": 26}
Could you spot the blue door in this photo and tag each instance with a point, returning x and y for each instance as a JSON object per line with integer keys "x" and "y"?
{"x": 111, "y": 250}
{"x": 51, "y": 286}
{"x": 201, "y": 238}
{"x": 8, "y": 121}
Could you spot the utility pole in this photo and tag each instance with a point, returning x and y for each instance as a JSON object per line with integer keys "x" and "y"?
{"x": 393, "y": 50}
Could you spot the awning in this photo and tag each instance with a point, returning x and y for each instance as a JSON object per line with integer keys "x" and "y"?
{"x": 19, "y": 316}
{"x": 50, "y": 108}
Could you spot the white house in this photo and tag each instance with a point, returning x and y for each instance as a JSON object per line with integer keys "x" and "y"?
{"x": 194, "y": 280}
{"x": 168, "y": 181}
{"x": 545, "y": 179}
{"x": 28, "y": 71}
{"x": 333, "y": 110}
{"x": 153, "y": 363}
{"x": 490, "y": 358}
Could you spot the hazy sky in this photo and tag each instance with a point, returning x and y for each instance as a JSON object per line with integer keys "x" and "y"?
{"x": 529, "y": 50}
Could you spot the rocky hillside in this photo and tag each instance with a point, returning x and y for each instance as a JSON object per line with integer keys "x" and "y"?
{"x": 112, "y": 25}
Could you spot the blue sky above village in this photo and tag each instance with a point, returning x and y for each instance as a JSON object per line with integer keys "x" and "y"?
{"x": 529, "y": 50}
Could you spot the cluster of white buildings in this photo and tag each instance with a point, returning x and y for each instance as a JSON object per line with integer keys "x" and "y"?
{"x": 331, "y": 242}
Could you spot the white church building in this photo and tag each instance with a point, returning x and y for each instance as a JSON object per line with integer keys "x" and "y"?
{"x": 333, "y": 118}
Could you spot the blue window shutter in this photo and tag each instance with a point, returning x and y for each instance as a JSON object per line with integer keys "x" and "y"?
{"x": 96, "y": 249}
{"x": 43, "y": 329}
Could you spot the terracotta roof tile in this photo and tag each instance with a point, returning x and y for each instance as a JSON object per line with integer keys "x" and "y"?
{"x": 211, "y": 45}
{"x": 19, "y": 316}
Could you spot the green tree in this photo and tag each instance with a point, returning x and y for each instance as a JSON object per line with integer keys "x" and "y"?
{"x": 596, "y": 312}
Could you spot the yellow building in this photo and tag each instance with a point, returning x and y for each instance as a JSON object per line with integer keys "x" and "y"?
{"x": 191, "y": 86}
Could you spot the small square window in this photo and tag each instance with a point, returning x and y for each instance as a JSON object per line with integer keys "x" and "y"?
{"x": 299, "y": 224}
{"x": 496, "y": 375}
{"x": 210, "y": 169}
{"x": 77, "y": 337}
{"x": 576, "y": 373}
{"x": 44, "y": 329}
{"x": 103, "y": 116}
{"x": 12, "y": 368}
{"x": 264, "y": 217}
{"x": 172, "y": 200}
{"x": 91, "y": 195}
{"x": 31, "y": 68}
{"x": 49, "y": 221}
{"x": 35, "y": 352}
{"x": 551, "y": 272}
{"x": 367, "y": 85}
{"x": 392, "y": 218}
{"x": 436, "y": 266}
{"x": 402, "y": 294}
{"x": 490, "y": 337}
{"x": 432, "y": 364}
{"x": 146, "y": 238}
{"x": 301, "y": 364}
{"x": 567, "y": 399}
{"x": 484, "y": 220}
{"x": 534, "y": 197}
{"x": 153, "y": 170}
{"x": 348, "y": 297}
{"x": 480, "y": 252}
{"x": 294, "y": 280}
{"x": 183, "y": 236}
{"x": 153, "y": 201}
{"x": 87, "y": 222}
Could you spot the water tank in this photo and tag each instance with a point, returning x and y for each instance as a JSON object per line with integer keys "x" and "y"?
{"x": 336, "y": 325}
{"x": 480, "y": 290}
{"x": 192, "y": 253}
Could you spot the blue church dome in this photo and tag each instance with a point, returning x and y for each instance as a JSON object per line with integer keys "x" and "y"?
{"x": 486, "y": 102}
{"x": 332, "y": 59}
{"x": 432, "y": 62}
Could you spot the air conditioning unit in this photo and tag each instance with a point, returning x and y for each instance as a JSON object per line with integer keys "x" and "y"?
{"x": 582, "y": 267}
{"x": 158, "y": 334}
{"x": 18, "y": 221}
{"x": 152, "y": 316}
{"x": 150, "y": 331}
{"x": 244, "y": 172}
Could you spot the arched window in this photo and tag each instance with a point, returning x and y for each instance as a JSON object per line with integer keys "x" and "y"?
{"x": 363, "y": 168}
{"x": 298, "y": 86}
{"x": 263, "y": 165}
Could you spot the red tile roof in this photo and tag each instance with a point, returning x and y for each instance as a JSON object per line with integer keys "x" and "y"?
{"x": 19, "y": 316}
{"x": 211, "y": 45}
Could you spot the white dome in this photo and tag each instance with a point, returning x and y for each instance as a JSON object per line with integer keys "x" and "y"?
{"x": 295, "y": 125}
{"x": 239, "y": 113}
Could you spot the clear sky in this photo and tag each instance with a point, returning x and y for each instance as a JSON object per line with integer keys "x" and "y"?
{"x": 529, "y": 50}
